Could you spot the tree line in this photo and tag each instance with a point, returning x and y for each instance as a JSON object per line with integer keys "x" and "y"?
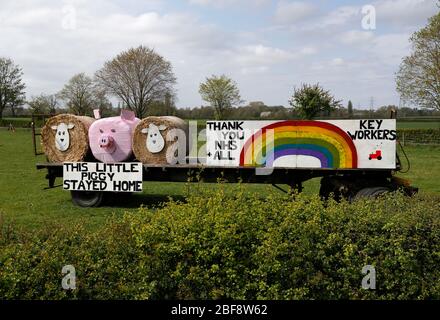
{"x": 144, "y": 81}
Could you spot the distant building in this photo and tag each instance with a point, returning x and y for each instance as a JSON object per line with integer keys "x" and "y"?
{"x": 265, "y": 114}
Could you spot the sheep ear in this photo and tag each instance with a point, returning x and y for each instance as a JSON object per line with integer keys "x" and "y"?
{"x": 70, "y": 126}
{"x": 144, "y": 130}
{"x": 54, "y": 127}
{"x": 162, "y": 127}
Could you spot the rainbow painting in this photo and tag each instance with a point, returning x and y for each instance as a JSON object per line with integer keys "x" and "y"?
{"x": 322, "y": 140}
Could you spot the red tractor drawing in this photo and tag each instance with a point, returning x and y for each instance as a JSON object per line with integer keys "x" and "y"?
{"x": 375, "y": 155}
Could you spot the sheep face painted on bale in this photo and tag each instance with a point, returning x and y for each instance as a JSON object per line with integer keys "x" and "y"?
{"x": 157, "y": 139}
{"x": 155, "y": 142}
{"x": 62, "y": 137}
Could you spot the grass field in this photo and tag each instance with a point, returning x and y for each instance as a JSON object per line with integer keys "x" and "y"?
{"x": 24, "y": 199}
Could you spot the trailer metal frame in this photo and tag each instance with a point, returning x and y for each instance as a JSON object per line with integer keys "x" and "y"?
{"x": 199, "y": 172}
{"x": 335, "y": 182}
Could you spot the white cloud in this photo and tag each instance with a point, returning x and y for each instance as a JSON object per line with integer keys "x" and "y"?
{"x": 254, "y": 70}
{"x": 308, "y": 51}
{"x": 340, "y": 16}
{"x": 390, "y": 48}
{"x": 230, "y": 3}
{"x": 384, "y": 49}
{"x": 258, "y": 58}
{"x": 256, "y": 54}
{"x": 404, "y": 12}
{"x": 356, "y": 37}
{"x": 313, "y": 21}
{"x": 293, "y": 12}
{"x": 33, "y": 36}
{"x": 337, "y": 62}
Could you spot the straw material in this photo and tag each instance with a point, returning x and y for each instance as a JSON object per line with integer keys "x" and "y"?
{"x": 139, "y": 139}
{"x": 79, "y": 141}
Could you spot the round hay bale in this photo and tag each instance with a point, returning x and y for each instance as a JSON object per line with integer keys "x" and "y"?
{"x": 150, "y": 140}
{"x": 64, "y": 138}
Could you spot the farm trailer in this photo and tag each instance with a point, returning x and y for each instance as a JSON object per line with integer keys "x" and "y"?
{"x": 353, "y": 158}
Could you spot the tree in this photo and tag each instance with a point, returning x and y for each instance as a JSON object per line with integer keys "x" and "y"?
{"x": 418, "y": 79}
{"x": 138, "y": 77}
{"x": 350, "y": 109}
{"x": 43, "y": 104}
{"x": 11, "y": 86}
{"x": 222, "y": 93}
{"x": 310, "y": 100}
{"x": 256, "y": 104}
{"x": 52, "y": 103}
{"x": 79, "y": 94}
{"x": 169, "y": 101}
{"x": 101, "y": 102}
{"x": 38, "y": 105}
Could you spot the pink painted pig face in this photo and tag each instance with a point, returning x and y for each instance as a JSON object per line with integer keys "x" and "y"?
{"x": 110, "y": 138}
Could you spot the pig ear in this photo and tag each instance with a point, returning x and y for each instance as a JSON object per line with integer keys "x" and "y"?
{"x": 54, "y": 127}
{"x": 162, "y": 127}
{"x": 127, "y": 115}
{"x": 70, "y": 126}
{"x": 144, "y": 130}
{"x": 97, "y": 114}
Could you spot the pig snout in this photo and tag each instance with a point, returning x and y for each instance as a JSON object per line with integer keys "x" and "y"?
{"x": 106, "y": 141}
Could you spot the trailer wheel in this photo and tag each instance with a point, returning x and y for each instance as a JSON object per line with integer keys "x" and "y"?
{"x": 87, "y": 198}
{"x": 371, "y": 192}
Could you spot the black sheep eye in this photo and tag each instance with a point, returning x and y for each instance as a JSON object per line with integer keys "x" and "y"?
{"x": 100, "y": 130}
{"x": 155, "y": 134}
{"x": 59, "y": 133}
{"x": 113, "y": 130}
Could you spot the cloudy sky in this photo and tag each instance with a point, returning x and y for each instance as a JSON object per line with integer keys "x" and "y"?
{"x": 267, "y": 47}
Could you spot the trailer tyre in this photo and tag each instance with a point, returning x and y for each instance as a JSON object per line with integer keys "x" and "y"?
{"x": 371, "y": 192}
{"x": 87, "y": 198}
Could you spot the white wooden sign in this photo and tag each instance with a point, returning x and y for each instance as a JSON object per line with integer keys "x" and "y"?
{"x": 326, "y": 144}
{"x": 98, "y": 176}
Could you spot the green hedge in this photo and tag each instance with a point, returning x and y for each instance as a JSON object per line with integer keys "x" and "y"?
{"x": 242, "y": 247}
{"x": 419, "y": 136}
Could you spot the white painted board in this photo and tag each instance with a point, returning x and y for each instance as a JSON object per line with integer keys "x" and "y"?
{"x": 98, "y": 176}
{"x": 326, "y": 144}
